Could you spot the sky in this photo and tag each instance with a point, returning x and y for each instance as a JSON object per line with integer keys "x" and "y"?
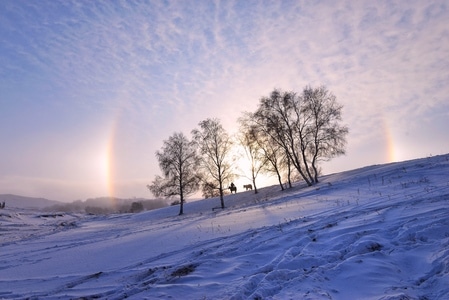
{"x": 89, "y": 90}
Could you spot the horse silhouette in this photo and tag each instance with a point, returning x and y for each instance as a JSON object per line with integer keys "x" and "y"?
{"x": 233, "y": 188}
{"x": 248, "y": 186}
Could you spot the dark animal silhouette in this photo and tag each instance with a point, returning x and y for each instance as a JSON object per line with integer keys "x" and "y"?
{"x": 248, "y": 186}
{"x": 233, "y": 188}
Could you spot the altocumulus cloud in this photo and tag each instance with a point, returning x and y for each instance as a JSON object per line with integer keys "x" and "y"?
{"x": 131, "y": 73}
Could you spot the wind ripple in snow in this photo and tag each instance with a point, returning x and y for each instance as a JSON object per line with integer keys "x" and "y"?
{"x": 380, "y": 232}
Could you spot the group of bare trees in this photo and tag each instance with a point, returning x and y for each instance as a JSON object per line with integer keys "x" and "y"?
{"x": 288, "y": 133}
{"x": 298, "y": 131}
{"x": 204, "y": 162}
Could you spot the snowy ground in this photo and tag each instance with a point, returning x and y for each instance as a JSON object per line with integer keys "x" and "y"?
{"x": 380, "y": 232}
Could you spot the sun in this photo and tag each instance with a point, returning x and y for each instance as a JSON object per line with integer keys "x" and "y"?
{"x": 243, "y": 168}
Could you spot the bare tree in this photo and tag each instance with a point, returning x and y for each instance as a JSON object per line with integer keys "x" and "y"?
{"x": 278, "y": 117}
{"x": 271, "y": 153}
{"x": 252, "y": 151}
{"x": 178, "y": 162}
{"x": 306, "y": 127}
{"x": 136, "y": 207}
{"x": 209, "y": 191}
{"x": 214, "y": 146}
{"x": 326, "y": 138}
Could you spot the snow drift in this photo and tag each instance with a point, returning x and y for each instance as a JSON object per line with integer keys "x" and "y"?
{"x": 380, "y": 232}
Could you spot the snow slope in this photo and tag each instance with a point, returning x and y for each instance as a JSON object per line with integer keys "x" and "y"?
{"x": 380, "y": 232}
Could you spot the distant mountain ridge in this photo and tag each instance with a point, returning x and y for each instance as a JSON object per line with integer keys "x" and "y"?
{"x": 99, "y": 205}
{"x": 26, "y": 202}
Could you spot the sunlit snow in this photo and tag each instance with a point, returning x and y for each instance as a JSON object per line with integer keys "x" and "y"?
{"x": 380, "y": 232}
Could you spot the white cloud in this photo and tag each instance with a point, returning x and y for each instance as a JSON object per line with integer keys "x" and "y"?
{"x": 160, "y": 67}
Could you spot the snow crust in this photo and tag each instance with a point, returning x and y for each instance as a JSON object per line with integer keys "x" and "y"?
{"x": 380, "y": 232}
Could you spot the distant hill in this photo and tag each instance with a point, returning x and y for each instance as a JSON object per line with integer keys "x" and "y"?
{"x": 104, "y": 204}
{"x": 26, "y": 202}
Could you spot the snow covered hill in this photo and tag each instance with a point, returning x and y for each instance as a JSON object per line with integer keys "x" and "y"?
{"x": 380, "y": 232}
{"x": 26, "y": 202}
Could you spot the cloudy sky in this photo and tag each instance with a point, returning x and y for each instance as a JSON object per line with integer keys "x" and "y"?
{"x": 90, "y": 89}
